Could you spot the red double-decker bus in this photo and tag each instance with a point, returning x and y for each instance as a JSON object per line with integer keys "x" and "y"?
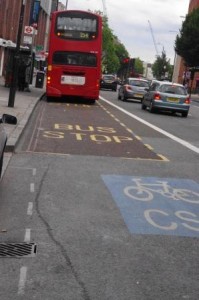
{"x": 74, "y": 59}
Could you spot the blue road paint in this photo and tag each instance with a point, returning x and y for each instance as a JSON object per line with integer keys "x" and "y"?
{"x": 161, "y": 206}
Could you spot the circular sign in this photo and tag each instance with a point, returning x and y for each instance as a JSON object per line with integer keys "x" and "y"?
{"x": 28, "y": 30}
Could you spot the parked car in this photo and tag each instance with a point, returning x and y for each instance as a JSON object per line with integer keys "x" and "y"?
{"x": 133, "y": 88}
{"x": 3, "y": 137}
{"x": 167, "y": 96}
{"x": 108, "y": 82}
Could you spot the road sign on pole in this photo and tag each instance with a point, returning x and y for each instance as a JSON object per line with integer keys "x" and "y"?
{"x": 28, "y": 30}
{"x": 27, "y": 39}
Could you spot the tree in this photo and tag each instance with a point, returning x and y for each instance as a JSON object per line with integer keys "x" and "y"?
{"x": 113, "y": 50}
{"x": 187, "y": 42}
{"x": 120, "y": 50}
{"x": 161, "y": 67}
{"x": 138, "y": 66}
{"x": 110, "y": 61}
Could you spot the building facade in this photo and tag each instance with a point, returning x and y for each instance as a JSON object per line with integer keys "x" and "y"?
{"x": 193, "y": 4}
{"x": 181, "y": 73}
{"x": 35, "y": 27}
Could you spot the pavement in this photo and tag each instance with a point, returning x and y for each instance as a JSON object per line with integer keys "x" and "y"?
{"x": 195, "y": 97}
{"x": 24, "y": 105}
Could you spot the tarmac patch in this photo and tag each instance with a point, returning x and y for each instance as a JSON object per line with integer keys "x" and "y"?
{"x": 86, "y": 130}
{"x": 157, "y": 206}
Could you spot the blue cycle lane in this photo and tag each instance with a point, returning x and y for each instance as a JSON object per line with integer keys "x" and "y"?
{"x": 156, "y": 206}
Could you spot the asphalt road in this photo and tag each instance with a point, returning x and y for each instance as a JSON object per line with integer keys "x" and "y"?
{"x": 110, "y": 196}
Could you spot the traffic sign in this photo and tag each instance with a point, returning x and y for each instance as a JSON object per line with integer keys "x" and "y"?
{"x": 28, "y": 30}
{"x": 27, "y": 39}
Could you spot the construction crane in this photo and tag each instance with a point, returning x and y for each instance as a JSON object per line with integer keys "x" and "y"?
{"x": 154, "y": 42}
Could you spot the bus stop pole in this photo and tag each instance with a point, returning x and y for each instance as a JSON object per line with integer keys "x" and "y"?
{"x": 13, "y": 85}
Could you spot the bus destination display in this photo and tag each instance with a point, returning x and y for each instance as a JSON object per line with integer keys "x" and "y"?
{"x": 76, "y": 28}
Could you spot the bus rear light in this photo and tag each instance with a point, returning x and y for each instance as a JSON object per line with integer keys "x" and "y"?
{"x": 48, "y": 80}
{"x": 156, "y": 96}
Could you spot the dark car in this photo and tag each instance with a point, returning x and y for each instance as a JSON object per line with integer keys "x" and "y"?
{"x": 3, "y": 137}
{"x": 133, "y": 88}
{"x": 108, "y": 82}
{"x": 167, "y": 96}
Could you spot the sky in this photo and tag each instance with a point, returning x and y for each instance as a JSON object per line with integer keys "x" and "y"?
{"x": 144, "y": 27}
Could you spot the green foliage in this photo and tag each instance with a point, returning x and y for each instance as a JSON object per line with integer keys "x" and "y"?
{"x": 110, "y": 61}
{"x": 162, "y": 67}
{"x": 113, "y": 51}
{"x": 187, "y": 42}
{"x": 138, "y": 67}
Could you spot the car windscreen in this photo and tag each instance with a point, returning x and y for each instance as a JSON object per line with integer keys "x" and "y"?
{"x": 139, "y": 83}
{"x": 173, "y": 89}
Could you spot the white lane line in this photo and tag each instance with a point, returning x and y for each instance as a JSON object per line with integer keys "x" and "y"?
{"x": 23, "y": 270}
{"x": 22, "y": 280}
{"x": 27, "y": 235}
{"x": 171, "y": 136}
{"x": 32, "y": 187}
{"x": 30, "y": 209}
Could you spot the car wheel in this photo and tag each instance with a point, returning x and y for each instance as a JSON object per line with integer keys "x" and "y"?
{"x": 184, "y": 114}
{"x": 118, "y": 96}
{"x": 143, "y": 106}
{"x": 91, "y": 101}
{"x": 124, "y": 98}
{"x": 151, "y": 108}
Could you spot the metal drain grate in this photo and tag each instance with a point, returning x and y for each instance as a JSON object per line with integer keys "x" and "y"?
{"x": 17, "y": 249}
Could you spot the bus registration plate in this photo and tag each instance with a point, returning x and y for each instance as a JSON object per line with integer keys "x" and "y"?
{"x": 76, "y": 80}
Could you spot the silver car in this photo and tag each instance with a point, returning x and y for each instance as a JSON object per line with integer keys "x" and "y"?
{"x": 3, "y": 138}
{"x": 167, "y": 96}
{"x": 133, "y": 88}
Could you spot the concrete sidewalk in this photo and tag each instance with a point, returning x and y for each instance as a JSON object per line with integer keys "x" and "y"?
{"x": 24, "y": 105}
{"x": 195, "y": 97}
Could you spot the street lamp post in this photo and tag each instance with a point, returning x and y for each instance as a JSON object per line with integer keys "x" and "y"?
{"x": 66, "y": 4}
{"x": 13, "y": 85}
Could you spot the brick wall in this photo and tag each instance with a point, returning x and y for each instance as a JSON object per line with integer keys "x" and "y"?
{"x": 9, "y": 20}
{"x": 193, "y": 4}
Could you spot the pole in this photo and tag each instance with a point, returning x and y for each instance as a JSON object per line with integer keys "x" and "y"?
{"x": 13, "y": 85}
{"x": 66, "y": 4}
{"x": 31, "y": 53}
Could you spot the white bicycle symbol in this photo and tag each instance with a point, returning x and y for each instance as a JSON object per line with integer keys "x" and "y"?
{"x": 144, "y": 191}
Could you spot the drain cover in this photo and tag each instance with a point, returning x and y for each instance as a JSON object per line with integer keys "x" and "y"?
{"x": 17, "y": 249}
